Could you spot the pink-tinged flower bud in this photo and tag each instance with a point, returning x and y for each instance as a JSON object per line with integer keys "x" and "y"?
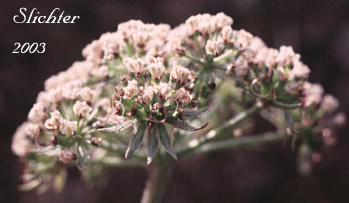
{"x": 131, "y": 90}
{"x": 299, "y": 70}
{"x": 214, "y": 48}
{"x": 192, "y": 23}
{"x": 176, "y": 46}
{"x": 65, "y": 156}
{"x": 164, "y": 90}
{"x": 81, "y": 109}
{"x": 240, "y": 66}
{"x": 243, "y": 39}
{"x": 223, "y": 20}
{"x": 313, "y": 93}
{"x": 87, "y": 94}
{"x": 32, "y": 130}
{"x": 182, "y": 96}
{"x": 182, "y": 75}
{"x": 329, "y": 103}
{"x": 36, "y": 113}
{"x": 68, "y": 127}
{"x": 54, "y": 121}
{"x": 148, "y": 94}
{"x": 286, "y": 56}
{"x": 228, "y": 34}
{"x": 156, "y": 67}
{"x": 340, "y": 119}
{"x": 135, "y": 66}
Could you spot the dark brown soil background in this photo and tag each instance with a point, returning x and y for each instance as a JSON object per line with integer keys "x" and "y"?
{"x": 318, "y": 29}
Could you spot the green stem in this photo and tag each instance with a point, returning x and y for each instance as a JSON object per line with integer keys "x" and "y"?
{"x": 218, "y": 132}
{"x": 235, "y": 143}
{"x": 159, "y": 174}
{"x": 115, "y": 162}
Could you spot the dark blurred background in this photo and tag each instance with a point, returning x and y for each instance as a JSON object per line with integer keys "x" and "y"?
{"x": 318, "y": 29}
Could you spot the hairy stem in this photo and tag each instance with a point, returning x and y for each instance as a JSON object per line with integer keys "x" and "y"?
{"x": 159, "y": 174}
{"x": 116, "y": 162}
{"x": 235, "y": 143}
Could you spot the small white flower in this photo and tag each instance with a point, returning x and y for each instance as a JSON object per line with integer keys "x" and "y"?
{"x": 32, "y": 130}
{"x": 36, "y": 113}
{"x": 148, "y": 94}
{"x": 241, "y": 66}
{"x": 214, "y": 47}
{"x": 68, "y": 127}
{"x": 65, "y": 156}
{"x": 223, "y": 20}
{"x": 135, "y": 66}
{"x": 164, "y": 90}
{"x": 329, "y": 103}
{"x": 54, "y": 121}
{"x": 156, "y": 67}
{"x": 81, "y": 109}
{"x": 182, "y": 75}
{"x": 228, "y": 34}
{"x": 131, "y": 90}
{"x": 182, "y": 95}
{"x": 313, "y": 93}
{"x": 286, "y": 56}
{"x": 87, "y": 94}
{"x": 243, "y": 38}
{"x": 299, "y": 70}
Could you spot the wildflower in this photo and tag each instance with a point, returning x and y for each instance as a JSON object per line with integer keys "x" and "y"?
{"x": 81, "y": 109}
{"x": 156, "y": 67}
{"x": 228, "y": 34}
{"x": 223, "y": 20}
{"x": 299, "y": 70}
{"x": 87, "y": 94}
{"x": 135, "y": 66}
{"x": 36, "y": 113}
{"x": 182, "y": 96}
{"x": 313, "y": 93}
{"x": 214, "y": 48}
{"x": 182, "y": 75}
{"x": 243, "y": 38}
{"x": 68, "y": 127}
{"x": 131, "y": 90}
{"x": 164, "y": 90}
{"x": 65, "y": 156}
{"x": 54, "y": 121}
{"x": 329, "y": 103}
{"x": 32, "y": 130}
{"x": 286, "y": 56}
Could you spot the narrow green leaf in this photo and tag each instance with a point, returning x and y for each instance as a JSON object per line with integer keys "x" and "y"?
{"x": 135, "y": 140}
{"x": 193, "y": 112}
{"x": 153, "y": 144}
{"x": 183, "y": 125}
{"x": 166, "y": 140}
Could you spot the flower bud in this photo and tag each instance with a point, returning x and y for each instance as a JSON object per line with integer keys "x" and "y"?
{"x": 54, "y": 121}
{"x": 135, "y": 66}
{"x": 214, "y": 48}
{"x": 36, "y": 113}
{"x": 81, "y": 109}
{"x": 156, "y": 67}
{"x": 65, "y": 156}
{"x": 87, "y": 94}
{"x": 68, "y": 127}
{"x": 131, "y": 90}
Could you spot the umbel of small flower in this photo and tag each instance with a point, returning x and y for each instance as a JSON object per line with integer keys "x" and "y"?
{"x": 154, "y": 80}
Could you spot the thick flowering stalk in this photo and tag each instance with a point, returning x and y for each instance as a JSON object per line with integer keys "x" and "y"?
{"x": 145, "y": 93}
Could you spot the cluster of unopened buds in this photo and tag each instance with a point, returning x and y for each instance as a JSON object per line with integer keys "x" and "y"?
{"x": 154, "y": 80}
